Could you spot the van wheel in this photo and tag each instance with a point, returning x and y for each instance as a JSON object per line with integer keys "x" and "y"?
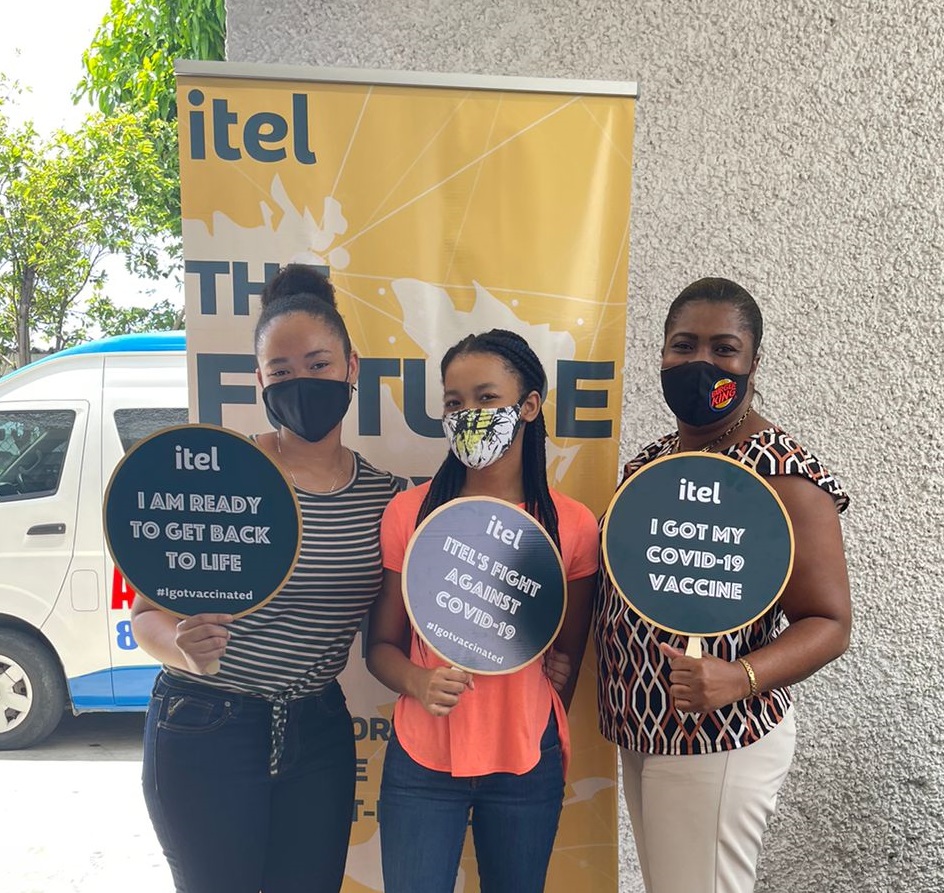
{"x": 32, "y": 690}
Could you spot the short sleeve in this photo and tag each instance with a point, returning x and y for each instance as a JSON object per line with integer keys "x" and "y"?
{"x": 580, "y": 538}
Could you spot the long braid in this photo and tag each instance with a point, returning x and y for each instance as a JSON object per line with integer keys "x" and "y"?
{"x": 523, "y": 362}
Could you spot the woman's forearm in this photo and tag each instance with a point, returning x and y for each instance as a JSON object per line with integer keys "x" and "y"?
{"x": 393, "y": 668}
{"x": 804, "y": 647}
{"x": 156, "y": 633}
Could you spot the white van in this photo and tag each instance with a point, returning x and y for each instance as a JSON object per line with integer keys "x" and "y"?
{"x": 65, "y": 628}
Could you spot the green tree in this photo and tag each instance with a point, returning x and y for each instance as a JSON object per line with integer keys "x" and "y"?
{"x": 66, "y": 203}
{"x": 111, "y": 319}
{"x": 130, "y": 64}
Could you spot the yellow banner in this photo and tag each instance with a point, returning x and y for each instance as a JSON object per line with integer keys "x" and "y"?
{"x": 439, "y": 211}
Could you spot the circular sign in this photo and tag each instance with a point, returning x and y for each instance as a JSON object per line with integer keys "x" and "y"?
{"x": 698, "y": 544}
{"x": 198, "y": 519}
{"x": 484, "y": 585}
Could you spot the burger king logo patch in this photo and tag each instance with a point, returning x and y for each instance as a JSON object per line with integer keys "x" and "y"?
{"x": 722, "y": 394}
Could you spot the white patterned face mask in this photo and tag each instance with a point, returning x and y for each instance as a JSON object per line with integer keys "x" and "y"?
{"x": 479, "y": 437}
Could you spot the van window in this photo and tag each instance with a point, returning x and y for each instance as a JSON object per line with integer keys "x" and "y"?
{"x": 136, "y": 424}
{"x": 33, "y": 446}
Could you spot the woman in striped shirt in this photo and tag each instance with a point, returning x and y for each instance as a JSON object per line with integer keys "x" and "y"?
{"x": 249, "y": 773}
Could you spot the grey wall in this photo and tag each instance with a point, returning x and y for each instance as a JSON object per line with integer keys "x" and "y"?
{"x": 798, "y": 152}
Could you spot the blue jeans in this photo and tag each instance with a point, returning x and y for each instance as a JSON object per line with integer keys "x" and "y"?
{"x": 424, "y": 815}
{"x": 225, "y": 823}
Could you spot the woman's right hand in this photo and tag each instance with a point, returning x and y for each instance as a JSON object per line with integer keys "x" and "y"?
{"x": 202, "y": 640}
{"x": 439, "y": 690}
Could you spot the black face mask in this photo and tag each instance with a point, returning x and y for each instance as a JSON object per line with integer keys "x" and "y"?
{"x": 701, "y": 393}
{"x": 308, "y": 407}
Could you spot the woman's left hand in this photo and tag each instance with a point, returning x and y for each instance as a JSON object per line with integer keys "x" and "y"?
{"x": 702, "y": 684}
{"x": 557, "y": 668}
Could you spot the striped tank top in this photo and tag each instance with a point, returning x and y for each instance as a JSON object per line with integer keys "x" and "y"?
{"x": 632, "y": 685}
{"x": 297, "y": 643}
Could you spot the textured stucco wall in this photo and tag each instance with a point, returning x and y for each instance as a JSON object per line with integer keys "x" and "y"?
{"x": 796, "y": 148}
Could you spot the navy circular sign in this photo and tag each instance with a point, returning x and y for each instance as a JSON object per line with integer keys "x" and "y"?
{"x": 484, "y": 585}
{"x": 198, "y": 519}
{"x": 698, "y": 544}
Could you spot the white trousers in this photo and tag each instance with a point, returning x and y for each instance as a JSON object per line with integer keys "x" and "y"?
{"x": 699, "y": 820}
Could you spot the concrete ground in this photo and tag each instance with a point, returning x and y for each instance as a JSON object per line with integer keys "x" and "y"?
{"x": 73, "y": 816}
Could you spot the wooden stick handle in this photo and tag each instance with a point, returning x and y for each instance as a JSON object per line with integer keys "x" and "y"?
{"x": 693, "y": 648}
{"x": 212, "y": 669}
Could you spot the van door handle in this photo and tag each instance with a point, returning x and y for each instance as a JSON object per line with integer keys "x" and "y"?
{"x": 46, "y": 530}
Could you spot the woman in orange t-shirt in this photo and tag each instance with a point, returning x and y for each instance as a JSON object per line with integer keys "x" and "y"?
{"x": 494, "y": 747}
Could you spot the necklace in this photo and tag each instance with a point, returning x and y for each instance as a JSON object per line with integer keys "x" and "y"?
{"x": 334, "y": 483}
{"x": 709, "y": 446}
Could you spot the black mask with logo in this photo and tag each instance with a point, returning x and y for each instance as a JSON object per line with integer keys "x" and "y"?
{"x": 701, "y": 393}
{"x": 308, "y": 407}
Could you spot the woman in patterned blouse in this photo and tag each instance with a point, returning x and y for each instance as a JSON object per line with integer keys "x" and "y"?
{"x": 706, "y": 743}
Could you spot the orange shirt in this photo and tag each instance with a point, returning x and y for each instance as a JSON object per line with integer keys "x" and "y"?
{"x": 497, "y": 726}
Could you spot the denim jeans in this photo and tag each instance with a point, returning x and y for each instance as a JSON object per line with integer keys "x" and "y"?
{"x": 225, "y": 823}
{"x": 424, "y": 815}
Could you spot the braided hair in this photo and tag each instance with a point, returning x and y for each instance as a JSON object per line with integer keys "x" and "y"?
{"x": 522, "y": 362}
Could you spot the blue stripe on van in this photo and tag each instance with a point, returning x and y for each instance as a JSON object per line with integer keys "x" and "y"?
{"x": 141, "y": 342}
{"x": 118, "y": 689}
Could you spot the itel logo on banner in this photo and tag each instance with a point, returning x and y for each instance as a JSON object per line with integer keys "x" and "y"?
{"x": 264, "y": 135}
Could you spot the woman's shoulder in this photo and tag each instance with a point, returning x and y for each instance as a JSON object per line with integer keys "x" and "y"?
{"x": 572, "y": 510}
{"x": 661, "y": 447}
{"x": 773, "y": 451}
{"x": 367, "y": 471}
{"x": 410, "y": 499}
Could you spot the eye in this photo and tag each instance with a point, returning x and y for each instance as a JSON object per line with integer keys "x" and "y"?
{"x": 681, "y": 346}
{"x": 725, "y": 349}
{"x": 485, "y": 398}
{"x": 451, "y": 404}
{"x": 318, "y": 366}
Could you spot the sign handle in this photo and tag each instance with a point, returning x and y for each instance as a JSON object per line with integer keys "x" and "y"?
{"x": 693, "y": 648}
{"x": 212, "y": 669}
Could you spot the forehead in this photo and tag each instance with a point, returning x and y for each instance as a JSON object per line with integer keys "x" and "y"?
{"x": 708, "y": 318}
{"x": 297, "y": 333}
{"x": 472, "y": 369}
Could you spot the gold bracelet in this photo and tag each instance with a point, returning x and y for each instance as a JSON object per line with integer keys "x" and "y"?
{"x": 751, "y": 678}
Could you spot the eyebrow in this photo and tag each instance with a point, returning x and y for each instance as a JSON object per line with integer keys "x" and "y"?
{"x": 729, "y": 335}
{"x": 308, "y": 356}
{"x": 486, "y": 386}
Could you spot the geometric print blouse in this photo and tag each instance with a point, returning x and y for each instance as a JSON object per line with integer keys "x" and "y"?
{"x": 635, "y": 709}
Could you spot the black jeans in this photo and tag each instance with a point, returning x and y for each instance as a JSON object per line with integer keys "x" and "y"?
{"x": 225, "y": 823}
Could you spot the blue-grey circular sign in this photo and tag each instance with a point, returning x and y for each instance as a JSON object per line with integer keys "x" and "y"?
{"x": 698, "y": 544}
{"x": 484, "y": 585}
{"x": 198, "y": 519}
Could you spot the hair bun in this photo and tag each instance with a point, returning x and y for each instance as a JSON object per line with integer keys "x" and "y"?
{"x": 299, "y": 279}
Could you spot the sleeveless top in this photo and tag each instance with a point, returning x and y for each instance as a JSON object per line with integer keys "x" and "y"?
{"x": 297, "y": 643}
{"x": 632, "y": 685}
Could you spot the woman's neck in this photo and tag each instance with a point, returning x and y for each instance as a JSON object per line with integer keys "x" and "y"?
{"x": 325, "y": 452}
{"x": 730, "y": 430}
{"x": 502, "y": 479}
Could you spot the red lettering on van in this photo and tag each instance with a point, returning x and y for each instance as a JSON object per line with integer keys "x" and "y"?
{"x": 122, "y": 595}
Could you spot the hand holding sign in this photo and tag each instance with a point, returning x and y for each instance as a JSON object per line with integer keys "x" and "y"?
{"x": 698, "y": 545}
{"x": 484, "y": 585}
{"x": 202, "y": 640}
{"x": 203, "y": 524}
